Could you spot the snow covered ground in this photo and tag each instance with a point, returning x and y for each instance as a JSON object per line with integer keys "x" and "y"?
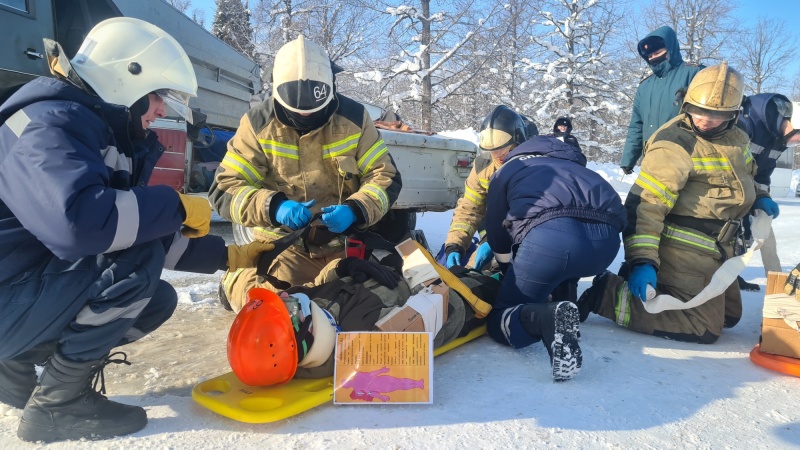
{"x": 635, "y": 391}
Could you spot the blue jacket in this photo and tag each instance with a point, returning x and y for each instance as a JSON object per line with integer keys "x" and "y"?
{"x": 542, "y": 179}
{"x": 73, "y": 185}
{"x": 762, "y": 123}
{"x": 657, "y": 99}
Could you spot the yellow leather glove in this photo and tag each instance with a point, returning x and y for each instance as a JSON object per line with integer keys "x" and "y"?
{"x": 198, "y": 216}
{"x": 246, "y": 256}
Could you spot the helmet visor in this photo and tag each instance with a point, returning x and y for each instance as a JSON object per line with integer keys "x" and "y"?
{"x": 708, "y": 114}
{"x": 178, "y": 101}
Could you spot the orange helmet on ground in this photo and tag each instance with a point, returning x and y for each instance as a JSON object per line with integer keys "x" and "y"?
{"x": 262, "y": 349}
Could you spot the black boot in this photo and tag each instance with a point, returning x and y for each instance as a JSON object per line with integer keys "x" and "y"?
{"x": 591, "y": 297}
{"x": 745, "y": 286}
{"x": 557, "y": 326}
{"x": 567, "y": 291}
{"x": 65, "y": 405}
{"x": 223, "y": 299}
{"x": 18, "y": 375}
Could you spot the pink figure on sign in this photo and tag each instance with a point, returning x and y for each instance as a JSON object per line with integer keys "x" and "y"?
{"x": 368, "y": 386}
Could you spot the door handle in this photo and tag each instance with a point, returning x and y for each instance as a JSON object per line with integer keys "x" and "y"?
{"x": 33, "y": 54}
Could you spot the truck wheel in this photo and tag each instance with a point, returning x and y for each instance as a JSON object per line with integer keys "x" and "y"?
{"x": 242, "y": 235}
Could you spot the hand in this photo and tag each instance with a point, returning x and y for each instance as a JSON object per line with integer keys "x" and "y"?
{"x": 338, "y": 218}
{"x": 627, "y": 170}
{"x": 198, "y": 215}
{"x": 767, "y": 205}
{"x": 642, "y": 276}
{"x": 246, "y": 256}
{"x": 360, "y": 270}
{"x": 293, "y": 214}
{"x": 453, "y": 254}
{"x": 483, "y": 255}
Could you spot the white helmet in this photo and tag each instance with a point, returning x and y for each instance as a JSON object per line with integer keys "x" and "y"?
{"x": 123, "y": 59}
{"x": 302, "y": 76}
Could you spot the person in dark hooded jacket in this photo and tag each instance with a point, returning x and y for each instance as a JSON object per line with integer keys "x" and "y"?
{"x": 549, "y": 219}
{"x": 562, "y": 130}
{"x": 660, "y": 96}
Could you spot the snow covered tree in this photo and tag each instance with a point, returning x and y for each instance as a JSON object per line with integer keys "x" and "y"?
{"x": 429, "y": 59}
{"x": 232, "y": 25}
{"x": 578, "y": 74}
{"x": 762, "y": 55}
{"x": 703, "y": 26}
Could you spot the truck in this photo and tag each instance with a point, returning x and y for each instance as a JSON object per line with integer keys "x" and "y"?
{"x": 433, "y": 168}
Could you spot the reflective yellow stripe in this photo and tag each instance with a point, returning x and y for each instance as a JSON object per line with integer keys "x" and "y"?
{"x": 473, "y": 196}
{"x": 379, "y": 194}
{"x": 228, "y": 279}
{"x": 239, "y": 165}
{"x": 649, "y": 183}
{"x": 642, "y": 240}
{"x": 687, "y": 237}
{"x": 239, "y": 202}
{"x": 748, "y": 155}
{"x": 366, "y": 161}
{"x": 341, "y": 147}
{"x": 622, "y": 307}
{"x": 461, "y": 226}
{"x": 711, "y": 164}
{"x": 279, "y": 149}
{"x": 484, "y": 182}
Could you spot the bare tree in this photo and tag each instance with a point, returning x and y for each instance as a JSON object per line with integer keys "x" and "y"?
{"x": 180, "y": 5}
{"x": 703, "y": 26}
{"x": 762, "y": 57}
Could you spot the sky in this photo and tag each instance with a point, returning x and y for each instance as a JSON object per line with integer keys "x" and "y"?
{"x": 747, "y": 12}
{"x": 633, "y": 391}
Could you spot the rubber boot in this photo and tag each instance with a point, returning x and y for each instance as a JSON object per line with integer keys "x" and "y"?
{"x": 565, "y": 292}
{"x": 223, "y": 299}
{"x": 591, "y": 298}
{"x": 65, "y": 406}
{"x": 557, "y": 326}
{"x": 18, "y": 375}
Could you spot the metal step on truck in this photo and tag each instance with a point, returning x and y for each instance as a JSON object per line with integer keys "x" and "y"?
{"x": 433, "y": 167}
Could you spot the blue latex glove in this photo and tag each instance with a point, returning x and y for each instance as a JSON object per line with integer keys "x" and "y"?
{"x": 453, "y": 259}
{"x": 483, "y": 255}
{"x": 293, "y": 214}
{"x": 767, "y": 205}
{"x": 338, "y": 217}
{"x": 641, "y": 276}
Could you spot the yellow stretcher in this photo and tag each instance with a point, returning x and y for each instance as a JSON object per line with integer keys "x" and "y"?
{"x": 227, "y": 396}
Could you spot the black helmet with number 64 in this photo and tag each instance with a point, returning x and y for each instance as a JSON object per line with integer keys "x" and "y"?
{"x": 500, "y": 128}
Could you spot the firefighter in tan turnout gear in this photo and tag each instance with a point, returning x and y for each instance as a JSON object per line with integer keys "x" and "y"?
{"x": 471, "y": 208}
{"x": 306, "y": 149}
{"x": 696, "y": 183}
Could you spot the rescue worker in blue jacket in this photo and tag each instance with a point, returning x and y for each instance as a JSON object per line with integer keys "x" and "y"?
{"x": 83, "y": 239}
{"x": 767, "y": 120}
{"x": 549, "y": 219}
{"x": 659, "y": 96}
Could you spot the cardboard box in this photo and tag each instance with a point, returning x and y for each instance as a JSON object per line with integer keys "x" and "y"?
{"x": 405, "y": 318}
{"x": 777, "y": 337}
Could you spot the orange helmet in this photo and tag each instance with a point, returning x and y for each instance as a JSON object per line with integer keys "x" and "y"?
{"x": 261, "y": 344}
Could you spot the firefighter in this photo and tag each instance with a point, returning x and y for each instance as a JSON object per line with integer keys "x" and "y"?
{"x": 85, "y": 238}
{"x": 471, "y": 208}
{"x": 695, "y": 185}
{"x": 304, "y": 150}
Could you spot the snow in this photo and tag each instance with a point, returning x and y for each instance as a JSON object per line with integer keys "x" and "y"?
{"x": 634, "y": 391}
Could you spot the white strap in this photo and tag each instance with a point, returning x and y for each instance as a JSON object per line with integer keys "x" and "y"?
{"x": 723, "y": 277}
{"x": 430, "y": 307}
